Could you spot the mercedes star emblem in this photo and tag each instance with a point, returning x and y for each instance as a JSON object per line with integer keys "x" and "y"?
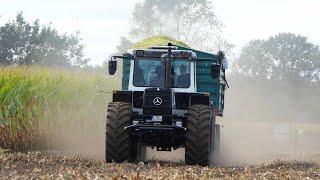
{"x": 157, "y": 101}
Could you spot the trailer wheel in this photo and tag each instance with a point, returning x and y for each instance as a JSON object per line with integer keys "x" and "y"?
{"x": 217, "y": 147}
{"x": 199, "y": 136}
{"x": 118, "y": 143}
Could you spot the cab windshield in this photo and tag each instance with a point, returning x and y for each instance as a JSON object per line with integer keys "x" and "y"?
{"x": 151, "y": 73}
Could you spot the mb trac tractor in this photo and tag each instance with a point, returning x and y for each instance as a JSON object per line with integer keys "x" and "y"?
{"x": 170, "y": 98}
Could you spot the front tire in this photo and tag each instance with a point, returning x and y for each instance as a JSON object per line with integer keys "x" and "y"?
{"x": 118, "y": 143}
{"x": 199, "y": 135}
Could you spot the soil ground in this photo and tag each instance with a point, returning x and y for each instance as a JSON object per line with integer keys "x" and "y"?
{"x": 54, "y": 166}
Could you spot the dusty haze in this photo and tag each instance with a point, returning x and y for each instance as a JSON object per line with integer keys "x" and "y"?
{"x": 262, "y": 121}
{"x": 265, "y": 120}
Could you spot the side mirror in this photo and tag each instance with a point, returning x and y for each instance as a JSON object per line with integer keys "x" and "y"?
{"x": 215, "y": 70}
{"x": 112, "y": 67}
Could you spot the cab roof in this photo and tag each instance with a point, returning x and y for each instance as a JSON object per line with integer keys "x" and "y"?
{"x": 163, "y": 51}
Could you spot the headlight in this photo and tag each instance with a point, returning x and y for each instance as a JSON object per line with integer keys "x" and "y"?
{"x": 179, "y": 123}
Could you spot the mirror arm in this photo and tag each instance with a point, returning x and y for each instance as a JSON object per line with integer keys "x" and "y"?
{"x": 113, "y": 58}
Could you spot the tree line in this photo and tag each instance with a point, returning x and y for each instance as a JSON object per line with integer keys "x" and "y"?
{"x": 285, "y": 56}
{"x": 24, "y": 43}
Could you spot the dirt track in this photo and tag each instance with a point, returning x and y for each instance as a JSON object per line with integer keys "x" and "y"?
{"x": 44, "y": 166}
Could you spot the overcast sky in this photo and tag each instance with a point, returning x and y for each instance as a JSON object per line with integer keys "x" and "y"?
{"x": 102, "y": 22}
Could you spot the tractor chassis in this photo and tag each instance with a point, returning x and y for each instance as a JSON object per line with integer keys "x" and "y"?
{"x": 163, "y": 137}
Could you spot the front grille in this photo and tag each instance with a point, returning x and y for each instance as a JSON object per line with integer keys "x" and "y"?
{"x": 182, "y": 100}
{"x": 151, "y": 106}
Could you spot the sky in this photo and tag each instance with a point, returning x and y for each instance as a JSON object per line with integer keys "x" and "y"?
{"x": 102, "y": 22}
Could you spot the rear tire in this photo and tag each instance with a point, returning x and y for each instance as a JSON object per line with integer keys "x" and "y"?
{"x": 199, "y": 135}
{"x": 118, "y": 143}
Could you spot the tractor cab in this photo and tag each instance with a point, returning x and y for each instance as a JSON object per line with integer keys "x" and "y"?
{"x": 163, "y": 67}
{"x": 155, "y": 68}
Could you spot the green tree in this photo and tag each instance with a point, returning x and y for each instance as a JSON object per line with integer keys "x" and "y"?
{"x": 285, "y": 56}
{"x": 192, "y": 22}
{"x": 24, "y": 43}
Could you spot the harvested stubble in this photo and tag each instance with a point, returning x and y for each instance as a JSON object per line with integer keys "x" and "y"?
{"x": 48, "y": 166}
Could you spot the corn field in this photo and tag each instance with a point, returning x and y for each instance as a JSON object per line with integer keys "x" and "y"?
{"x": 43, "y": 109}
{"x": 34, "y": 101}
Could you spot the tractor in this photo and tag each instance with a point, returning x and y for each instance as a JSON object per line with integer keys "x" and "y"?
{"x": 170, "y": 98}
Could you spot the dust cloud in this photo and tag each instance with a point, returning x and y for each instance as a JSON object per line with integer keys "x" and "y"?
{"x": 269, "y": 120}
{"x": 265, "y": 121}
{"x": 80, "y": 131}
{"x": 262, "y": 121}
